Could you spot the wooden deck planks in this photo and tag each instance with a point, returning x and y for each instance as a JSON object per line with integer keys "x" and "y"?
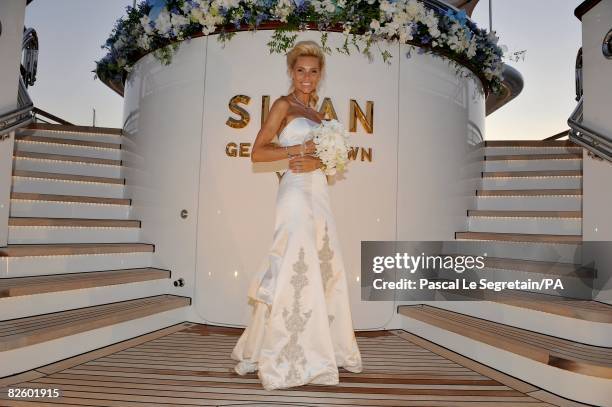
{"x": 192, "y": 366}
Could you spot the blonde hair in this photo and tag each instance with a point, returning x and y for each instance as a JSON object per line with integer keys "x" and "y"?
{"x": 306, "y": 49}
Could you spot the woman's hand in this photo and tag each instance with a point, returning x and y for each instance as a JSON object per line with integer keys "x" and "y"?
{"x": 306, "y": 163}
{"x": 310, "y": 147}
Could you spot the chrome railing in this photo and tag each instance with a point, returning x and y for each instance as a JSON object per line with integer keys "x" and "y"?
{"x": 598, "y": 144}
{"x": 579, "y": 90}
{"x": 29, "y": 61}
{"x": 22, "y": 115}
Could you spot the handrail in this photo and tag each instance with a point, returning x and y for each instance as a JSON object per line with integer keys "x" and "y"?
{"x": 592, "y": 140}
{"x": 39, "y": 112}
{"x": 21, "y": 115}
{"x": 557, "y": 136}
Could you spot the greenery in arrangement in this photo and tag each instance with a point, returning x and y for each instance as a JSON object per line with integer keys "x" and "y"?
{"x": 159, "y": 25}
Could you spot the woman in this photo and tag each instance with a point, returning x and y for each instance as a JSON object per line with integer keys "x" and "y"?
{"x": 301, "y": 329}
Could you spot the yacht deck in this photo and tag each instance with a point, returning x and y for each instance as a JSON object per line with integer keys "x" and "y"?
{"x": 189, "y": 364}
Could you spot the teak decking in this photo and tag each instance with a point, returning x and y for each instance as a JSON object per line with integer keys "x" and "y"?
{"x": 190, "y": 364}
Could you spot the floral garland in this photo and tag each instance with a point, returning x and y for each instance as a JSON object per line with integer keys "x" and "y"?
{"x": 159, "y": 25}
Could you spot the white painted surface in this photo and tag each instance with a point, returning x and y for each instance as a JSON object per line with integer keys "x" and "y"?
{"x": 30, "y": 357}
{"x": 98, "y": 137}
{"x": 533, "y": 165}
{"x": 574, "y": 182}
{"x": 441, "y": 123}
{"x": 53, "y": 209}
{"x": 420, "y": 182}
{"x": 42, "y": 265}
{"x": 597, "y": 199}
{"x": 562, "y": 253}
{"x": 598, "y": 254}
{"x": 6, "y": 169}
{"x": 530, "y": 203}
{"x": 597, "y": 71}
{"x": 161, "y": 155}
{"x": 11, "y": 16}
{"x": 23, "y": 306}
{"x": 67, "y": 187}
{"x": 67, "y": 167}
{"x": 61, "y": 234}
{"x": 594, "y": 390}
{"x": 67, "y": 149}
{"x": 573, "y": 329}
{"x": 553, "y": 226}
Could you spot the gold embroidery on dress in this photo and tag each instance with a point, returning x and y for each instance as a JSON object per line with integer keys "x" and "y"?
{"x": 295, "y": 323}
{"x": 325, "y": 256}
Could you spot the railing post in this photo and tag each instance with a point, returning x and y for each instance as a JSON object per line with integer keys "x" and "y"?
{"x": 12, "y": 14}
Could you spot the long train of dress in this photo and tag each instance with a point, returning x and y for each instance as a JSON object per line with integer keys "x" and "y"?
{"x": 301, "y": 327}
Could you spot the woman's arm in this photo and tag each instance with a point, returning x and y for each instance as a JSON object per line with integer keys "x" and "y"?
{"x": 263, "y": 149}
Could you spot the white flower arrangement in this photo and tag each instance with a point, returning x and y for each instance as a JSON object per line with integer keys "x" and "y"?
{"x": 153, "y": 25}
{"x": 332, "y": 145}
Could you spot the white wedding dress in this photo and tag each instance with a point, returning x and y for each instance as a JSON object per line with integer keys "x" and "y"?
{"x": 301, "y": 329}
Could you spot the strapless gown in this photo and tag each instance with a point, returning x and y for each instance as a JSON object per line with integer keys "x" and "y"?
{"x": 301, "y": 328}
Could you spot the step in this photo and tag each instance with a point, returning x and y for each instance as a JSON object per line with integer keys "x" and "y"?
{"x": 500, "y": 223}
{"x": 568, "y": 307}
{"x": 560, "y": 253}
{"x": 521, "y": 151}
{"x": 19, "y": 286}
{"x": 66, "y": 164}
{"x": 85, "y": 133}
{"x": 532, "y": 174}
{"x": 68, "y": 206}
{"x": 576, "y": 280}
{"x": 28, "y": 230}
{"x": 22, "y": 306}
{"x": 529, "y": 143}
{"x": 530, "y": 183}
{"x": 44, "y": 355}
{"x": 570, "y": 369}
{"x": 62, "y": 146}
{"x": 520, "y": 237}
{"x": 39, "y": 264}
{"x": 36, "y": 259}
{"x": 582, "y": 321}
{"x": 531, "y": 192}
{"x": 524, "y": 163}
{"x": 560, "y": 353}
{"x": 74, "y": 249}
{"x": 528, "y": 202}
{"x": 18, "y": 333}
{"x": 539, "y": 267}
{"x": 65, "y": 184}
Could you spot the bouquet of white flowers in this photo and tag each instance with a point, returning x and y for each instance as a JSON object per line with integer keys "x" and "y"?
{"x": 331, "y": 140}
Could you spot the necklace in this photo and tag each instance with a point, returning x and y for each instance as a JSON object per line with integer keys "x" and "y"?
{"x": 299, "y": 101}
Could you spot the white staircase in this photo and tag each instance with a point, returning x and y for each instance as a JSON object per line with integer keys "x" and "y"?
{"x": 75, "y": 275}
{"x": 527, "y": 220}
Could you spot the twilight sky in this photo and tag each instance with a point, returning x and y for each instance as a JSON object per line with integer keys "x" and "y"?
{"x": 71, "y": 32}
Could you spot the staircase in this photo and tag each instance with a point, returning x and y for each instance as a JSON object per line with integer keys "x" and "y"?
{"x": 73, "y": 246}
{"x": 527, "y": 218}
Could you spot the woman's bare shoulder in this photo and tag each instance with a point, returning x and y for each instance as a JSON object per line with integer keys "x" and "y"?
{"x": 281, "y": 103}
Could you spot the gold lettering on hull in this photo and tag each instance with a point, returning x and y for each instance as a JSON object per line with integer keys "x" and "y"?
{"x": 243, "y": 150}
{"x": 245, "y": 117}
{"x": 327, "y": 108}
{"x": 367, "y": 119}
